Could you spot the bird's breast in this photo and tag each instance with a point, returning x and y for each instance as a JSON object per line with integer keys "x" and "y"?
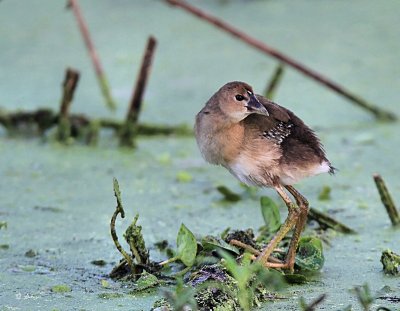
{"x": 256, "y": 165}
{"x": 219, "y": 144}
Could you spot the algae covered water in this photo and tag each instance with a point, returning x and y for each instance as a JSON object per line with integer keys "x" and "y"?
{"x": 57, "y": 200}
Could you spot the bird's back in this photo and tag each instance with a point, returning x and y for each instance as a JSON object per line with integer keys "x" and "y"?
{"x": 300, "y": 153}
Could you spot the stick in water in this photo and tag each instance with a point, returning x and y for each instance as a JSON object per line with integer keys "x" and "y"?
{"x": 355, "y": 99}
{"x": 101, "y": 77}
{"x": 387, "y": 201}
{"x": 69, "y": 86}
{"x": 130, "y": 128}
{"x": 137, "y": 96}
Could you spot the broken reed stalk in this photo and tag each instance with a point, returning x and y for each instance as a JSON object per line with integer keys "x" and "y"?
{"x": 70, "y": 83}
{"x": 387, "y": 200}
{"x": 137, "y": 96}
{"x": 326, "y": 221}
{"x": 101, "y": 77}
{"x": 119, "y": 210}
{"x": 69, "y": 86}
{"x": 274, "y": 82}
{"x": 130, "y": 128}
{"x": 355, "y": 99}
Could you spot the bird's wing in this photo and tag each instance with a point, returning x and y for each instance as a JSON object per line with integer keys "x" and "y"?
{"x": 286, "y": 129}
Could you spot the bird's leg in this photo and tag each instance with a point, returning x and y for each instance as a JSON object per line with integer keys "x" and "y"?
{"x": 298, "y": 228}
{"x": 291, "y": 220}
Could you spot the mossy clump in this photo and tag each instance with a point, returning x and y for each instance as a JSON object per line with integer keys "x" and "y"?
{"x": 216, "y": 299}
{"x": 390, "y": 262}
{"x": 217, "y": 289}
{"x": 134, "y": 238}
{"x": 162, "y": 304}
{"x": 244, "y": 236}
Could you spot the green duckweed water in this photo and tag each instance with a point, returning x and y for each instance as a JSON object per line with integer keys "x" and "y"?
{"x": 58, "y": 200}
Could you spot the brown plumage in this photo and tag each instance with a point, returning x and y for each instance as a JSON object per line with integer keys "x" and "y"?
{"x": 263, "y": 144}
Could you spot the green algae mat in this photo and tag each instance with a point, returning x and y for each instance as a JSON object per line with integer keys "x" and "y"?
{"x": 56, "y": 200}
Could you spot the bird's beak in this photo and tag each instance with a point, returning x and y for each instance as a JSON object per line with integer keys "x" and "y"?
{"x": 254, "y": 106}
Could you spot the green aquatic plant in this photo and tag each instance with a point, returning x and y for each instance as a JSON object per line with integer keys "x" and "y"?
{"x": 310, "y": 255}
{"x": 186, "y": 248}
{"x": 270, "y": 213}
{"x": 390, "y": 262}
{"x": 249, "y": 276}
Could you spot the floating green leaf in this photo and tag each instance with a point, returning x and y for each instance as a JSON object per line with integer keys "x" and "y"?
{"x": 105, "y": 284}
{"x": 62, "y": 288}
{"x": 110, "y": 295}
{"x": 98, "y": 262}
{"x": 28, "y": 268}
{"x": 3, "y": 224}
{"x": 271, "y": 215}
{"x": 325, "y": 194}
{"x": 187, "y": 246}
{"x": 310, "y": 255}
{"x": 146, "y": 281}
{"x": 184, "y": 177}
{"x": 228, "y": 194}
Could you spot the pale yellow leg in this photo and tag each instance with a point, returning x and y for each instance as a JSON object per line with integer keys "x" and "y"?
{"x": 291, "y": 220}
{"x": 303, "y": 205}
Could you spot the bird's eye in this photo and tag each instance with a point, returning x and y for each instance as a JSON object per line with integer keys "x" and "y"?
{"x": 239, "y": 97}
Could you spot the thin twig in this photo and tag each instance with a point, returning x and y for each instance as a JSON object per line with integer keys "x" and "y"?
{"x": 357, "y": 100}
{"x": 101, "y": 77}
{"x": 274, "y": 82}
{"x": 136, "y": 101}
{"x": 387, "y": 200}
{"x": 326, "y": 221}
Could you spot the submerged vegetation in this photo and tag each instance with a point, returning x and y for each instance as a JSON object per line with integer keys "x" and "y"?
{"x": 218, "y": 272}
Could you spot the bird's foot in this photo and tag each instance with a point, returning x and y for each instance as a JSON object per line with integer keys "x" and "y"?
{"x": 256, "y": 253}
{"x": 278, "y": 264}
{"x": 245, "y": 246}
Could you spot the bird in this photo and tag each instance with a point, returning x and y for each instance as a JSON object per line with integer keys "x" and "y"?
{"x": 262, "y": 144}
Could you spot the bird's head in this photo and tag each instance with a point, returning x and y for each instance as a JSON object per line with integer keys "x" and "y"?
{"x": 237, "y": 100}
